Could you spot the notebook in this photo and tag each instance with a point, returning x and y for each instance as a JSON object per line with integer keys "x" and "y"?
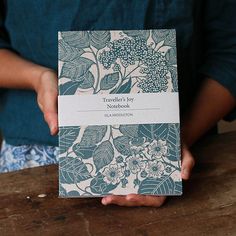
{"x": 118, "y": 108}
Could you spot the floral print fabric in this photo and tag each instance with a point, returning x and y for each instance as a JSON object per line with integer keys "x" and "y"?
{"x": 14, "y": 158}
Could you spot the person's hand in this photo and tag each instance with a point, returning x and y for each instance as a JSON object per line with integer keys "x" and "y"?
{"x": 134, "y": 200}
{"x": 47, "y": 92}
{"x": 149, "y": 200}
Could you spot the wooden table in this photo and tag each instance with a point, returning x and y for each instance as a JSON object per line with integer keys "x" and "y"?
{"x": 208, "y": 206}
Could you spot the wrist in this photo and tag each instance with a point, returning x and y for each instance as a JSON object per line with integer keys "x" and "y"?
{"x": 39, "y": 75}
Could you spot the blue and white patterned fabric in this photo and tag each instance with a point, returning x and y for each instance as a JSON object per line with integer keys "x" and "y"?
{"x": 14, "y": 158}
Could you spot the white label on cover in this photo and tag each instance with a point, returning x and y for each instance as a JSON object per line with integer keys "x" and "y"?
{"x": 111, "y": 109}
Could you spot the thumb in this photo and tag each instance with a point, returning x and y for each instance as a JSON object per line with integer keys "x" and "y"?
{"x": 47, "y": 93}
{"x": 50, "y": 112}
{"x": 188, "y": 163}
{"x": 48, "y": 106}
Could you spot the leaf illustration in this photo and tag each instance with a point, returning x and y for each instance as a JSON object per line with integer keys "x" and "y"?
{"x": 92, "y": 135}
{"x": 147, "y": 130}
{"x": 99, "y": 39}
{"x": 68, "y": 88}
{"x": 141, "y": 33}
{"x": 165, "y": 34}
{"x": 109, "y": 81}
{"x": 99, "y": 186}
{"x": 76, "y": 70}
{"x": 129, "y": 130}
{"x": 73, "y": 193}
{"x": 68, "y": 53}
{"x": 103, "y": 154}
{"x": 173, "y": 139}
{"x": 174, "y": 76}
{"x": 153, "y": 131}
{"x": 121, "y": 143}
{"x": 67, "y": 136}
{"x": 178, "y": 190}
{"x": 72, "y": 170}
{"x": 62, "y": 191}
{"x": 171, "y": 56}
{"x": 125, "y": 88}
{"x": 159, "y": 186}
{"x": 78, "y": 39}
{"x": 88, "y": 81}
{"x": 84, "y": 152}
{"x": 161, "y": 131}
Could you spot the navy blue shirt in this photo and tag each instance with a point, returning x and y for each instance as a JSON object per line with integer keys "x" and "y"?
{"x": 206, "y": 46}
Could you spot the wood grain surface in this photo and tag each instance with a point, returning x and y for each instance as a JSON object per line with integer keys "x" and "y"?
{"x": 29, "y": 203}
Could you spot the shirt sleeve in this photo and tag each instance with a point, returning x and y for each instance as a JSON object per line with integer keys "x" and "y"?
{"x": 220, "y": 43}
{"x": 4, "y": 41}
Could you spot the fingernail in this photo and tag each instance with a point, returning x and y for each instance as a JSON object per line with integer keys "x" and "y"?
{"x": 104, "y": 202}
{"x": 52, "y": 129}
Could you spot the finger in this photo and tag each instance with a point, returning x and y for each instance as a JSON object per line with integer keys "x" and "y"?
{"x": 52, "y": 120}
{"x": 187, "y": 164}
{"x": 120, "y": 201}
{"x": 114, "y": 199}
{"x": 50, "y": 112}
{"x": 146, "y": 200}
{"x": 134, "y": 200}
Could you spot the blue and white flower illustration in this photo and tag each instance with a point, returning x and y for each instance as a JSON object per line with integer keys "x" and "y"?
{"x": 113, "y": 174}
{"x": 138, "y": 144}
{"x": 168, "y": 169}
{"x": 155, "y": 169}
{"x": 135, "y": 164}
{"x": 157, "y": 148}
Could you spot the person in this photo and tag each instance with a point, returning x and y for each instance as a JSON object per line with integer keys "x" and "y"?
{"x": 206, "y": 46}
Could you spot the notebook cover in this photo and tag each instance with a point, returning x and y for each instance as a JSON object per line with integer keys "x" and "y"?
{"x": 118, "y": 113}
